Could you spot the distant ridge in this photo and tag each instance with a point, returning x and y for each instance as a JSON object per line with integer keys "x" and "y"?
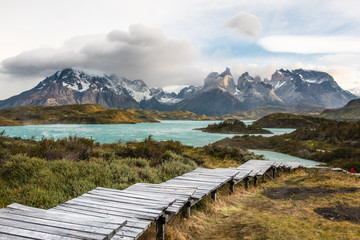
{"x": 350, "y": 112}
{"x": 87, "y": 114}
{"x": 219, "y": 95}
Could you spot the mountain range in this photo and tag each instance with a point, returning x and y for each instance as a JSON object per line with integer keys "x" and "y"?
{"x": 219, "y": 94}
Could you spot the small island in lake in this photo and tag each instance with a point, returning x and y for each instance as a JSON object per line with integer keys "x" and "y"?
{"x": 233, "y": 126}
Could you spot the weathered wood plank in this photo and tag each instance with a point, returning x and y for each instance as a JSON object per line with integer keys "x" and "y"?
{"x": 140, "y": 208}
{"x": 31, "y": 234}
{"x": 139, "y": 195}
{"x": 132, "y": 222}
{"x": 66, "y": 218}
{"x": 55, "y": 230}
{"x": 26, "y": 219}
{"x": 104, "y": 214}
{"x": 129, "y": 199}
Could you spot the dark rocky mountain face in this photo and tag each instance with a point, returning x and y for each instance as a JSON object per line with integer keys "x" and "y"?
{"x": 219, "y": 95}
{"x": 75, "y": 87}
{"x": 212, "y": 102}
{"x": 309, "y": 87}
{"x": 253, "y": 92}
{"x": 223, "y": 81}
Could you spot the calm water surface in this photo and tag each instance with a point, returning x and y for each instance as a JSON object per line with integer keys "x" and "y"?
{"x": 179, "y": 130}
{"x": 110, "y": 133}
{"x": 280, "y": 157}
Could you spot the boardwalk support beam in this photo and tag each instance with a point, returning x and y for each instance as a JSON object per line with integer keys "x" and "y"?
{"x": 255, "y": 181}
{"x": 232, "y": 187}
{"x": 273, "y": 173}
{"x": 213, "y": 195}
{"x": 246, "y": 182}
{"x": 160, "y": 228}
{"x": 187, "y": 210}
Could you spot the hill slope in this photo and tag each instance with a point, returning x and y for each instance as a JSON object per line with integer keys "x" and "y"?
{"x": 288, "y": 120}
{"x": 350, "y": 112}
{"x": 87, "y": 114}
{"x": 218, "y": 95}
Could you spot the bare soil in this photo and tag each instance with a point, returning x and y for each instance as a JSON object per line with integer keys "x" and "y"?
{"x": 340, "y": 213}
{"x": 301, "y": 193}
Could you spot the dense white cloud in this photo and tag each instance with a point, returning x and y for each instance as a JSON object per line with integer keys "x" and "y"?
{"x": 245, "y": 24}
{"x": 166, "y": 57}
{"x": 311, "y": 44}
{"x": 141, "y": 52}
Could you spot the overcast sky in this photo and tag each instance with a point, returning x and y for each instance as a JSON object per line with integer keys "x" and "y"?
{"x": 176, "y": 43}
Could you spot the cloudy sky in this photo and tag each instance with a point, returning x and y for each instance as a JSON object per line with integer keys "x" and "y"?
{"x": 176, "y": 43}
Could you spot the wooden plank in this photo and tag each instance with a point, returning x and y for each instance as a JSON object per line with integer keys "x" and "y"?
{"x": 66, "y": 218}
{"x": 55, "y": 230}
{"x": 198, "y": 185}
{"x": 138, "y": 196}
{"x": 155, "y": 192}
{"x": 159, "y": 196}
{"x": 133, "y": 194}
{"x": 100, "y": 214}
{"x": 12, "y": 231}
{"x": 133, "y": 222}
{"x": 82, "y": 228}
{"x": 91, "y": 202}
{"x": 11, "y": 237}
{"x": 158, "y": 187}
{"x": 134, "y": 200}
{"x": 200, "y": 180}
{"x": 112, "y": 212}
{"x": 204, "y": 177}
{"x": 189, "y": 190}
{"x": 140, "y": 208}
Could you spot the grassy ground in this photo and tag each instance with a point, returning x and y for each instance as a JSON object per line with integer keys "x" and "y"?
{"x": 49, "y": 172}
{"x": 252, "y": 215}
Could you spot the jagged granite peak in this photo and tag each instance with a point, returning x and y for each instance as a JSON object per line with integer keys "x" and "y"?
{"x": 245, "y": 80}
{"x": 226, "y": 72}
{"x": 309, "y": 87}
{"x": 188, "y": 92}
{"x": 223, "y": 81}
{"x": 253, "y": 92}
{"x": 219, "y": 94}
{"x": 70, "y": 86}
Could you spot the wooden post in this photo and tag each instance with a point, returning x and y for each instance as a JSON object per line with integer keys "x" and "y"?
{"x": 187, "y": 210}
{"x": 277, "y": 172}
{"x": 213, "y": 195}
{"x": 273, "y": 173}
{"x": 263, "y": 177}
{"x": 246, "y": 181}
{"x": 255, "y": 181}
{"x": 160, "y": 228}
{"x": 232, "y": 187}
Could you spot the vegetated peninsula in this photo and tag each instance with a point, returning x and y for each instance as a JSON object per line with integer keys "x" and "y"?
{"x": 288, "y": 120}
{"x": 234, "y": 126}
{"x": 350, "y": 112}
{"x": 332, "y": 142}
{"x": 87, "y": 114}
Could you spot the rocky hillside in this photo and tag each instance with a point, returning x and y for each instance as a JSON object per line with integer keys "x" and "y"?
{"x": 87, "y": 114}
{"x": 219, "y": 95}
{"x": 288, "y": 120}
{"x": 309, "y": 87}
{"x": 350, "y": 112}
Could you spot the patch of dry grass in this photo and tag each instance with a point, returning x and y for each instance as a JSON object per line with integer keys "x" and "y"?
{"x": 251, "y": 215}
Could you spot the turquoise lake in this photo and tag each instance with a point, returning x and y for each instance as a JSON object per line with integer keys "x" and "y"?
{"x": 179, "y": 130}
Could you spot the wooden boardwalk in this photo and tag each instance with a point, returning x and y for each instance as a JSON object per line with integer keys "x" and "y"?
{"x": 126, "y": 214}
